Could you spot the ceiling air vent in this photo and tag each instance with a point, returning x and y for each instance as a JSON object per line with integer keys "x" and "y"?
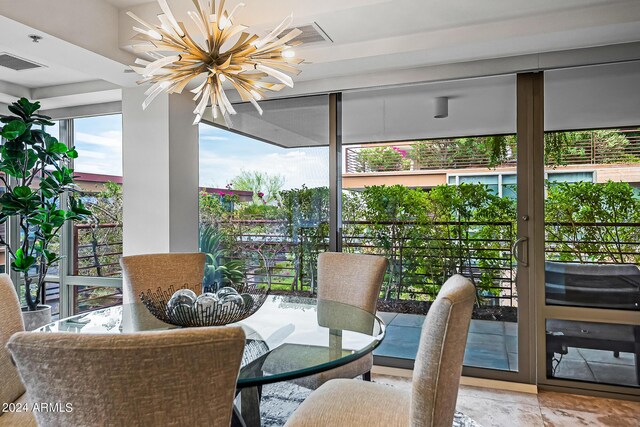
{"x": 311, "y": 33}
{"x": 17, "y": 64}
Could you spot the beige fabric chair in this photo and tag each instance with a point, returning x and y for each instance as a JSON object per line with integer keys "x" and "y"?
{"x": 181, "y": 377}
{"x": 11, "y": 388}
{"x": 352, "y": 279}
{"x": 144, "y": 272}
{"x": 436, "y": 376}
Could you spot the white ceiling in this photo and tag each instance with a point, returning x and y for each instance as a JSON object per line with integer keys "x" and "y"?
{"x": 126, "y": 3}
{"x": 14, "y": 40}
{"x": 84, "y": 41}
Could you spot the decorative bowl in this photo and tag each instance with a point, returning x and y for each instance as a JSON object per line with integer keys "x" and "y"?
{"x": 203, "y": 312}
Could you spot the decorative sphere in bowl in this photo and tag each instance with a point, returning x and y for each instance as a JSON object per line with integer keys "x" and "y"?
{"x": 206, "y": 301}
{"x": 226, "y": 291}
{"x": 233, "y": 299}
{"x": 248, "y": 301}
{"x": 182, "y": 296}
{"x": 182, "y": 311}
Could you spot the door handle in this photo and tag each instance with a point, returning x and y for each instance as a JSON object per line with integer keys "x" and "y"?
{"x": 524, "y": 262}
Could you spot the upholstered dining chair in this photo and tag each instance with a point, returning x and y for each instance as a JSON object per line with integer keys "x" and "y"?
{"x": 352, "y": 279}
{"x": 153, "y": 271}
{"x": 436, "y": 376}
{"x": 11, "y": 388}
{"x": 175, "y": 377}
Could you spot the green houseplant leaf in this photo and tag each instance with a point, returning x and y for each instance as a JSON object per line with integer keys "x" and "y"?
{"x": 13, "y": 129}
{"x": 38, "y": 164}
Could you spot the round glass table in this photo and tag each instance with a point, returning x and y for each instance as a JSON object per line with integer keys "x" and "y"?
{"x": 287, "y": 338}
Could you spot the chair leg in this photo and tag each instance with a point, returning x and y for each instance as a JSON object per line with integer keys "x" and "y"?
{"x": 366, "y": 376}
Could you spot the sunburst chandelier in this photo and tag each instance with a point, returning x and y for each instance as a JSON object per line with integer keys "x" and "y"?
{"x": 222, "y": 52}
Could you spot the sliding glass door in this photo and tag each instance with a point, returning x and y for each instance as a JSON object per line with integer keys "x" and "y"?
{"x": 439, "y": 197}
{"x": 590, "y": 303}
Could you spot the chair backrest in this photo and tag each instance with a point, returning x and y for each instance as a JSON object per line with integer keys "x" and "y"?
{"x": 438, "y": 366}
{"x": 352, "y": 279}
{"x": 153, "y": 271}
{"x": 177, "y": 377}
{"x": 10, "y": 322}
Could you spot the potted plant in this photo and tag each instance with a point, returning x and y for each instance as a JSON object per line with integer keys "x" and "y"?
{"x": 34, "y": 171}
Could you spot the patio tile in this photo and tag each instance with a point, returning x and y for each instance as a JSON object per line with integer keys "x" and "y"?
{"x": 573, "y": 354}
{"x": 511, "y": 329}
{"x": 614, "y": 374}
{"x": 512, "y": 344}
{"x": 607, "y": 357}
{"x": 490, "y": 340}
{"x": 386, "y": 316}
{"x": 513, "y": 361}
{"x": 487, "y": 327}
{"x": 400, "y": 341}
{"x": 411, "y": 320}
{"x": 485, "y": 353}
{"x": 574, "y": 369}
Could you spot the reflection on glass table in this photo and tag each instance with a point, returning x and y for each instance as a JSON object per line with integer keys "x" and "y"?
{"x": 288, "y": 338}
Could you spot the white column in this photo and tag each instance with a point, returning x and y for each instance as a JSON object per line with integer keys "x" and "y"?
{"x": 160, "y": 168}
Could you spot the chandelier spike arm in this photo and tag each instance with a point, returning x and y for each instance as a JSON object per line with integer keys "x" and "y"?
{"x": 152, "y": 34}
{"x": 280, "y": 42}
{"x": 220, "y": 10}
{"x": 178, "y": 59}
{"x": 157, "y": 91}
{"x": 281, "y": 66}
{"x": 203, "y": 31}
{"x": 140, "y": 21}
{"x": 168, "y": 30}
{"x": 276, "y": 74}
{"x": 159, "y": 63}
{"x": 273, "y": 34}
{"x": 224, "y": 21}
{"x": 172, "y": 20}
{"x": 225, "y": 101}
{"x": 202, "y": 105}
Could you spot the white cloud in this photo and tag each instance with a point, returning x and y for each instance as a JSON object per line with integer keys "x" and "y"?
{"x": 213, "y": 138}
{"x": 309, "y": 167}
{"x": 99, "y": 153}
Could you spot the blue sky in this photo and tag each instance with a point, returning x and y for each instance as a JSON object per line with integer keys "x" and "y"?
{"x": 224, "y": 154}
{"x": 99, "y": 144}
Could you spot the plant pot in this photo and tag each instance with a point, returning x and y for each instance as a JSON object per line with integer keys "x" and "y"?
{"x": 37, "y": 318}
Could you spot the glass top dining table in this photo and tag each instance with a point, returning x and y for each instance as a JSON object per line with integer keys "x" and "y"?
{"x": 288, "y": 337}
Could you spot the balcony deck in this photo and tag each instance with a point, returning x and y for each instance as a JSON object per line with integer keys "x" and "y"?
{"x": 494, "y": 345}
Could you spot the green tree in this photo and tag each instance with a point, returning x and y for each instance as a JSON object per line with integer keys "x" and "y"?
{"x": 305, "y": 212}
{"x": 265, "y": 187}
{"x": 592, "y": 222}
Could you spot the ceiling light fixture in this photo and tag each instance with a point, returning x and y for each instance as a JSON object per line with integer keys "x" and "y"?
{"x": 442, "y": 107}
{"x": 177, "y": 57}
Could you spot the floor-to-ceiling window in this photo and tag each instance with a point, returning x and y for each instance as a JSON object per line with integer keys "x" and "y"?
{"x": 88, "y": 275}
{"x": 591, "y": 305}
{"x": 264, "y": 198}
{"x": 437, "y": 196}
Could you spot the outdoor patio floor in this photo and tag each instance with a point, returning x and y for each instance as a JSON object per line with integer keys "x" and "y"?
{"x": 494, "y": 345}
{"x": 490, "y": 344}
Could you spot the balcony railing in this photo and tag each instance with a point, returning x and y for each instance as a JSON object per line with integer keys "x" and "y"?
{"x": 421, "y": 256}
{"x": 461, "y": 154}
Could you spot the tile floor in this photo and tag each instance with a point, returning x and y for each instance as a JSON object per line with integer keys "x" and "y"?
{"x": 500, "y": 408}
{"x": 494, "y": 345}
